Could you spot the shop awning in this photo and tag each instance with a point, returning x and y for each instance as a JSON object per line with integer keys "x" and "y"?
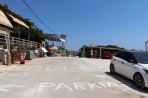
{"x": 62, "y": 40}
{"x": 18, "y": 21}
{"x": 43, "y": 49}
{"x": 4, "y": 20}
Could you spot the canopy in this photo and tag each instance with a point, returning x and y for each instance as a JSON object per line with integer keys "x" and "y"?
{"x": 53, "y": 37}
{"x": 43, "y": 49}
{"x": 4, "y": 20}
{"x": 18, "y": 21}
{"x": 63, "y": 40}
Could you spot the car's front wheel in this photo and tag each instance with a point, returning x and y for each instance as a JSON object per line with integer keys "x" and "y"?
{"x": 112, "y": 69}
{"x": 139, "y": 81}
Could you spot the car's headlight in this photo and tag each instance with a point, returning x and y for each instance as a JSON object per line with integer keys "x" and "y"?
{"x": 146, "y": 70}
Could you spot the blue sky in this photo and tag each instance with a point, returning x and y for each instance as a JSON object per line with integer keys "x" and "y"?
{"x": 104, "y": 22}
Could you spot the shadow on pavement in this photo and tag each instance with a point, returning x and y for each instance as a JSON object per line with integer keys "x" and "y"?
{"x": 127, "y": 82}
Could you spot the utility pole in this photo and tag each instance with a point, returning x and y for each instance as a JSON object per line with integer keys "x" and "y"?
{"x": 146, "y": 45}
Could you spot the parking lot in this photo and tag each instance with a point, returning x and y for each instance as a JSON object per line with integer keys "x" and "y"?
{"x": 65, "y": 77}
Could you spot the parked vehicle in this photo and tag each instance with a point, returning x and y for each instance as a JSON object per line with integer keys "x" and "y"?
{"x": 106, "y": 55}
{"x": 133, "y": 65}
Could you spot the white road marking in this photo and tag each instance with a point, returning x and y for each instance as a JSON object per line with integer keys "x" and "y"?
{"x": 51, "y": 68}
{"x": 47, "y": 68}
{"x": 78, "y": 86}
{"x": 102, "y": 84}
{"x": 93, "y": 85}
{"x": 45, "y": 85}
{"x": 62, "y": 85}
{"x": 64, "y": 68}
{"x": 29, "y": 68}
{"x": 6, "y": 87}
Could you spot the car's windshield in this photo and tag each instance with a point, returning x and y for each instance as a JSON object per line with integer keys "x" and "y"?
{"x": 141, "y": 57}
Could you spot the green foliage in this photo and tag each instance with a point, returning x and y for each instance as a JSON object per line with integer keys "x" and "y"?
{"x": 21, "y": 48}
{"x": 112, "y": 46}
{"x": 32, "y": 33}
{"x": 28, "y": 22}
{"x": 6, "y": 6}
{"x": 33, "y": 48}
{"x": 11, "y": 47}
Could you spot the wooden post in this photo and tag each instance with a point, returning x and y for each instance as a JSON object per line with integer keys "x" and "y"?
{"x": 8, "y": 55}
{"x": 31, "y": 43}
{"x": 36, "y": 44}
{"x": 13, "y": 41}
{"x": 100, "y": 52}
{"x": 23, "y": 42}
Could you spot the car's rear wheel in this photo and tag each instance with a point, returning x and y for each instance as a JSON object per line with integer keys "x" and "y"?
{"x": 139, "y": 81}
{"x": 112, "y": 69}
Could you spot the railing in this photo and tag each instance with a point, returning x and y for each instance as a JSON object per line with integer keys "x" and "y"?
{"x": 18, "y": 42}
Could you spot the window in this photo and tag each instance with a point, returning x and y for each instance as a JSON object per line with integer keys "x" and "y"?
{"x": 120, "y": 55}
{"x": 128, "y": 57}
{"x": 141, "y": 57}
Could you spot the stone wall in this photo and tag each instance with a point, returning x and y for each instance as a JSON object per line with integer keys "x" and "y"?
{"x": 2, "y": 56}
{"x": 5, "y": 57}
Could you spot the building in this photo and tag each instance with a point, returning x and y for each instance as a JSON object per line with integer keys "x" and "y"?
{"x": 99, "y": 49}
{"x": 7, "y": 18}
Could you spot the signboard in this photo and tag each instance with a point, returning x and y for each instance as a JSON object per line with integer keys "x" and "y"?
{"x": 63, "y": 36}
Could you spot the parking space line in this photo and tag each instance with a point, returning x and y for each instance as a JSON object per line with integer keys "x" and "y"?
{"x": 47, "y": 68}
{"x": 64, "y": 68}
{"x": 29, "y": 68}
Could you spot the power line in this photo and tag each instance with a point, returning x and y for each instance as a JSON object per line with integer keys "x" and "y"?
{"x": 38, "y": 17}
{"x": 50, "y": 28}
{"x": 82, "y": 40}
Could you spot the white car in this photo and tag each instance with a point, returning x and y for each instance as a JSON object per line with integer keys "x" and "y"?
{"x": 133, "y": 65}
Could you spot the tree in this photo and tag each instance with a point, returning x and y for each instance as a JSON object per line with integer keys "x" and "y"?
{"x": 32, "y": 33}
{"x": 112, "y": 46}
{"x": 6, "y": 6}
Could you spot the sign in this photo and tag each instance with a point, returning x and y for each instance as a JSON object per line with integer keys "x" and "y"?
{"x": 63, "y": 36}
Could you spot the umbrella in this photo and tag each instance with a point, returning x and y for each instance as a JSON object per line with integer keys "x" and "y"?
{"x": 53, "y": 48}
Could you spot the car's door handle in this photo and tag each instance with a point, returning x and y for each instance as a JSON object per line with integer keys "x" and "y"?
{"x": 114, "y": 59}
{"x": 122, "y": 62}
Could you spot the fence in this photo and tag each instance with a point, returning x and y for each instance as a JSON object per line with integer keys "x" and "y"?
{"x": 18, "y": 42}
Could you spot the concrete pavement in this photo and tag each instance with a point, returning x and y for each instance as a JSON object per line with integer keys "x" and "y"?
{"x": 63, "y": 77}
